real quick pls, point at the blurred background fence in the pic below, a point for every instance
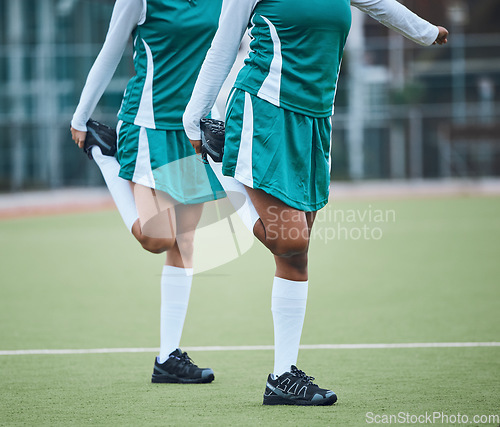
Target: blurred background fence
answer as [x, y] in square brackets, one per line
[402, 111]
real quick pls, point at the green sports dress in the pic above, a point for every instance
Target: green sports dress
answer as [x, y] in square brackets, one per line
[169, 47]
[278, 118]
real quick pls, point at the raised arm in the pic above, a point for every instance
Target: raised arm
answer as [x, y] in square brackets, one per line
[127, 14]
[397, 17]
[218, 62]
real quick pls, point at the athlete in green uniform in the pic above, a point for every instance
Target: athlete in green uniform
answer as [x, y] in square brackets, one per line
[278, 141]
[171, 38]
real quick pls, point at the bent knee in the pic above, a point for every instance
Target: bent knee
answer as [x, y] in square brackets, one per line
[156, 245]
[289, 247]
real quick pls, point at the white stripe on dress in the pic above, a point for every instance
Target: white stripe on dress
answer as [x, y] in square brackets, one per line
[135, 50]
[118, 128]
[143, 173]
[330, 147]
[229, 99]
[145, 113]
[271, 87]
[243, 171]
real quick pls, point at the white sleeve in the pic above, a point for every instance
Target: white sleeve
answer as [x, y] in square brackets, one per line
[127, 14]
[218, 62]
[397, 17]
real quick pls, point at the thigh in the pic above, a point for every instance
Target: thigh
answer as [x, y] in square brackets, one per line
[156, 211]
[275, 214]
[284, 230]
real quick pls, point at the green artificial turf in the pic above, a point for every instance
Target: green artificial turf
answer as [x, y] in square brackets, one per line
[428, 272]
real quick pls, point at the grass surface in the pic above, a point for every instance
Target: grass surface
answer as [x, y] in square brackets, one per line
[81, 281]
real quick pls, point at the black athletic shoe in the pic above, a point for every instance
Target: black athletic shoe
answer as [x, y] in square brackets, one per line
[296, 388]
[102, 136]
[212, 139]
[179, 368]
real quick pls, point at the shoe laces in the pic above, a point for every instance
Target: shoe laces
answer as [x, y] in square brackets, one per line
[186, 360]
[301, 374]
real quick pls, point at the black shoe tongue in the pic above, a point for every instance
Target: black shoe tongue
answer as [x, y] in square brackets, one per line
[176, 353]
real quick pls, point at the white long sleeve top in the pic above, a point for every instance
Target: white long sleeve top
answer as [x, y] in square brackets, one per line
[235, 18]
[127, 14]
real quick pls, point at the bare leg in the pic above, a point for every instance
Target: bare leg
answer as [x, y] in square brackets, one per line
[295, 267]
[285, 231]
[155, 228]
[181, 254]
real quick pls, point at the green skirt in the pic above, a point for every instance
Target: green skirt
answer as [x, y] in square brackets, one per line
[283, 153]
[166, 161]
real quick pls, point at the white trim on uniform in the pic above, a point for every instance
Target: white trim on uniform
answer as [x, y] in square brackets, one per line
[145, 112]
[271, 87]
[143, 174]
[330, 147]
[229, 99]
[118, 128]
[135, 50]
[244, 164]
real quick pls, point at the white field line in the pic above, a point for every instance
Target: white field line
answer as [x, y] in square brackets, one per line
[254, 347]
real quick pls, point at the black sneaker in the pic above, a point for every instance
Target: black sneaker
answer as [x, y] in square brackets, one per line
[296, 388]
[102, 136]
[179, 368]
[212, 139]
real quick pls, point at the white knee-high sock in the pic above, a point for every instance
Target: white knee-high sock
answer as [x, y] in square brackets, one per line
[289, 300]
[175, 290]
[118, 187]
[235, 190]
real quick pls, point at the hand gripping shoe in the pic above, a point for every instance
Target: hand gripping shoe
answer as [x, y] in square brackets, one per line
[102, 136]
[212, 139]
